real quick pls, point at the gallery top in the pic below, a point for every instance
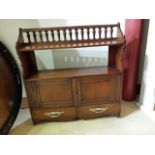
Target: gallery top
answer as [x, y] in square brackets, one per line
[69, 37]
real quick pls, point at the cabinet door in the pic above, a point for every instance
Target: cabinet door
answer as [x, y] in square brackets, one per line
[98, 89]
[51, 93]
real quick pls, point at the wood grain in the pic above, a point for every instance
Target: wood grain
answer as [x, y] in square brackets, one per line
[86, 112]
[42, 115]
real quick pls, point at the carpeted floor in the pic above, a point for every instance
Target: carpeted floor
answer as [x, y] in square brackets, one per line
[132, 121]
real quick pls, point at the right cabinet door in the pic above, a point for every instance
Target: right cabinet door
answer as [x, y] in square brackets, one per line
[99, 89]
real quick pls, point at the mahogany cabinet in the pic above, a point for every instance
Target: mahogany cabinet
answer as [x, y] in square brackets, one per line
[67, 94]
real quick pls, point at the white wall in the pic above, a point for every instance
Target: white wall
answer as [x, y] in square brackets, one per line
[147, 96]
[54, 59]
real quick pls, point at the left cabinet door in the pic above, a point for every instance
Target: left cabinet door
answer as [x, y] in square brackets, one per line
[50, 93]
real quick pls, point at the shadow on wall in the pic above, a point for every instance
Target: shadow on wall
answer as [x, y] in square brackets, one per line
[143, 86]
[84, 57]
[147, 95]
[143, 50]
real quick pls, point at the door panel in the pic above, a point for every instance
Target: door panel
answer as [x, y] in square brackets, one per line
[55, 91]
[95, 89]
[98, 89]
[51, 93]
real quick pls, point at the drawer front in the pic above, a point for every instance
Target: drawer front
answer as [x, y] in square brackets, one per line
[94, 111]
[50, 93]
[99, 89]
[57, 114]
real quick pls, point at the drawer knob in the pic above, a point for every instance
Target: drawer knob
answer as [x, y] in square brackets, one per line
[98, 110]
[54, 114]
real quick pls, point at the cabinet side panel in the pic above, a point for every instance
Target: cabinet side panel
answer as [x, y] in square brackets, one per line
[119, 57]
[111, 57]
[33, 97]
[28, 62]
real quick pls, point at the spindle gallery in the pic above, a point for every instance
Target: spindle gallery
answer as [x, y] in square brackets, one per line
[77, 93]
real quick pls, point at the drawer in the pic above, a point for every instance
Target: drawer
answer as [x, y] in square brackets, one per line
[94, 111]
[57, 114]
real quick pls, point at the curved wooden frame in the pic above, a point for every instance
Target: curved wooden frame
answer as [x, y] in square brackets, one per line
[18, 89]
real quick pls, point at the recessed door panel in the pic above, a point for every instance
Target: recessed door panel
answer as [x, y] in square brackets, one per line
[98, 89]
[51, 93]
[94, 89]
[55, 91]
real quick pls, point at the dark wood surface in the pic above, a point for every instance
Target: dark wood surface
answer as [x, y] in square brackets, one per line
[72, 72]
[54, 114]
[24, 103]
[28, 62]
[98, 110]
[71, 113]
[73, 92]
[50, 93]
[66, 94]
[10, 90]
[62, 45]
[98, 89]
[6, 90]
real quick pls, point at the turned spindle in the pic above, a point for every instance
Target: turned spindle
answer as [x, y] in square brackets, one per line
[88, 33]
[70, 34]
[82, 34]
[40, 35]
[35, 36]
[105, 31]
[52, 35]
[46, 36]
[28, 37]
[76, 34]
[59, 35]
[100, 33]
[111, 32]
[94, 33]
[65, 35]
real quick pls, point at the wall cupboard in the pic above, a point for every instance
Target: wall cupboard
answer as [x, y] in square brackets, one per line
[67, 94]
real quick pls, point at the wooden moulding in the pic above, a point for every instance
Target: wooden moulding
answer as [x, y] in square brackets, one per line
[73, 72]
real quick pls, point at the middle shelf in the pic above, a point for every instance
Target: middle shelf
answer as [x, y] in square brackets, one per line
[73, 72]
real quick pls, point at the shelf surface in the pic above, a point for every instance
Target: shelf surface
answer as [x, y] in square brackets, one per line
[72, 72]
[76, 44]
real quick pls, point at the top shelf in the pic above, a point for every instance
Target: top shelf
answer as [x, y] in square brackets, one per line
[69, 37]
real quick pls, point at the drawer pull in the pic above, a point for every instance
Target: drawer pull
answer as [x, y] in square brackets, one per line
[98, 110]
[54, 114]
